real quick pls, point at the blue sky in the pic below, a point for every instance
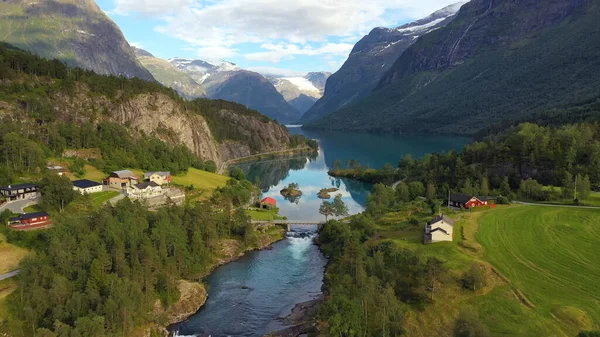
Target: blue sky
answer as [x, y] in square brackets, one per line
[283, 37]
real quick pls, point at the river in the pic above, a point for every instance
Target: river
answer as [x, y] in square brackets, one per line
[292, 272]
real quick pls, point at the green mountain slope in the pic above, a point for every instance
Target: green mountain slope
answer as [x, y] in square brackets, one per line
[52, 102]
[497, 63]
[169, 76]
[76, 32]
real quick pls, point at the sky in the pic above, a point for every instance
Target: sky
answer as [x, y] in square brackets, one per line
[279, 37]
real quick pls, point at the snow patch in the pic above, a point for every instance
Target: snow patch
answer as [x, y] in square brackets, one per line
[421, 27]
[302, 84]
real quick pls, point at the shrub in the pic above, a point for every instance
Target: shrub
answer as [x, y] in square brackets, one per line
[474, 278]
[468, 325]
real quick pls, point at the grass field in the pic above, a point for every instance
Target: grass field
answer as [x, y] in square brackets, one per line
[551, 255]
[101, 197]
[6, 287]
[548, 256]
[200, 179]
[265, 215]
[11, 255]
[92, 173]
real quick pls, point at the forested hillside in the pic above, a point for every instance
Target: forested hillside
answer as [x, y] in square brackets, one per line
[498, 63]
[46, 107]
[112, 271]
[522, 159]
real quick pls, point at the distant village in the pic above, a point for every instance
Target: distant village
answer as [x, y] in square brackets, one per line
[153, 189]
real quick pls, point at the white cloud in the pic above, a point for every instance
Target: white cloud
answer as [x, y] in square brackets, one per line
[275, 52]
[279, 72]
[217, 28]
[151, 7]
[136, 44]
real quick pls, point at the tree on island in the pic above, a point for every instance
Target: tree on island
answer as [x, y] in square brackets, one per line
[327, 209]
[340, 208]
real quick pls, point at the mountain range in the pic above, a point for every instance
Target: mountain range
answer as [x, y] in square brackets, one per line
[498, 63]
[225, 80]
[168, 75]
[370, 58]
[301, 92]
[78, 33]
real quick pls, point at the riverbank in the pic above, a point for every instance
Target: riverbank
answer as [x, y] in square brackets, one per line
[193, 295]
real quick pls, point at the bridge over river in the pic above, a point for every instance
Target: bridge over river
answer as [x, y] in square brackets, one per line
[289, 223]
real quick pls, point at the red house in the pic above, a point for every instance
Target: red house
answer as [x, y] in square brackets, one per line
[268, 203]
[30, 221]
[466, 201]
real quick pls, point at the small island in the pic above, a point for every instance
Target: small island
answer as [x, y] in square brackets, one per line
[324, 192]
[291, 191]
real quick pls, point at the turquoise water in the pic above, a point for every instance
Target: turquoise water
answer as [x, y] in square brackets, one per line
[292, 272]
[372, 150]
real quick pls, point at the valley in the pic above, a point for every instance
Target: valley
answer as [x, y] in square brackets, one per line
[299, 168]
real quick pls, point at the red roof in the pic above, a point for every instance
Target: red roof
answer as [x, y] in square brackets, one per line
[270, 201]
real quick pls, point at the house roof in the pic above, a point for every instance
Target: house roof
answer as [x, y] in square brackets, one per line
[440, 218]
[29, 216]
[269, 200]
[55, 168]
[84, 183]
[123, 174]
[439, 230]
[461, 198]
[163, 174]
[145, 185]
[18, 187]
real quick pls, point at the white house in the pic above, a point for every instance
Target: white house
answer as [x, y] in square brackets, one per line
[145, 190]
[160, 178]
[439, 229]
[85, 186]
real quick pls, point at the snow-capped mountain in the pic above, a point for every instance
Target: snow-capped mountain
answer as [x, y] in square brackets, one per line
[301, 92]
[225, 80]
[201, 70]
[370, 58]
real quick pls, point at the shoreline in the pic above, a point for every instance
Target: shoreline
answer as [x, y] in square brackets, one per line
[182, 317]
[266, 155]
[301, 319]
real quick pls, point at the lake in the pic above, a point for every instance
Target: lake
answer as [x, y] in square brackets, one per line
[292, 272]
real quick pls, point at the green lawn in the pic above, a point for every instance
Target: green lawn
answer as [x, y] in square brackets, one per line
[200, 179]
[92, 173]
[98, 199]
[32, 209]
[551, 255]
[265, 215]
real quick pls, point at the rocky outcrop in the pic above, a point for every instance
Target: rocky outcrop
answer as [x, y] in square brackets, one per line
[152, 114]
[271, 136]
[76, 32]
[159, 115]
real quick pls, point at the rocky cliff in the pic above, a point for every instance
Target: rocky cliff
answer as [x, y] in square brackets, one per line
[157, 114]
[76, 32]
[498, 63]
[370, 58]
